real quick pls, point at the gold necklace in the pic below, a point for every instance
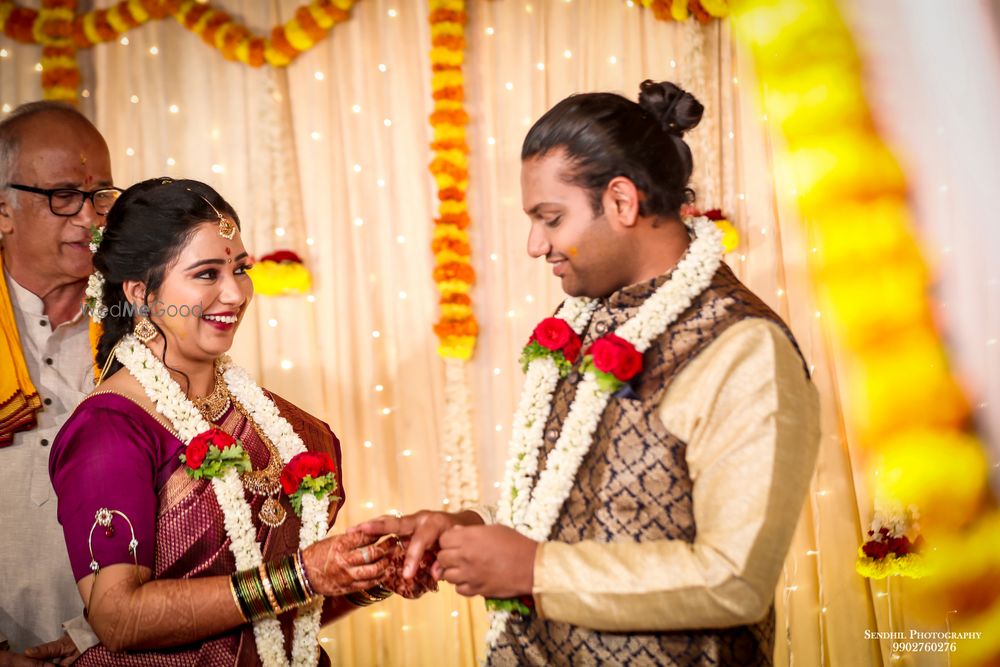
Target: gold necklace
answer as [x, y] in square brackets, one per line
[215, 404]
[267, 481]
[264, 482]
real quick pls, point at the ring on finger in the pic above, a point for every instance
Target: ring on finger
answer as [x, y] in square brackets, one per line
[366, 555]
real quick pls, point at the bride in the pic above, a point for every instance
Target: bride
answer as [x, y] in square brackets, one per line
[193, 502]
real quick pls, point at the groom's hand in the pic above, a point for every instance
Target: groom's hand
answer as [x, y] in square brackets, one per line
[492, 561]
[423, 529]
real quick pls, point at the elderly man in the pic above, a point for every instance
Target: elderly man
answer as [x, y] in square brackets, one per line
[55, 186]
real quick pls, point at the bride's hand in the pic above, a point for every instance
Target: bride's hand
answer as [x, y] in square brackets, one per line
[342, 564]
[422, 582]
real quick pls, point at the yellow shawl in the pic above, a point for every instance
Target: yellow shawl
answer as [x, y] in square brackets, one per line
[18, 397]
[19, 400]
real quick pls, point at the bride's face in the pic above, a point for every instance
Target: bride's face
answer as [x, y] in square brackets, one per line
[204, 295]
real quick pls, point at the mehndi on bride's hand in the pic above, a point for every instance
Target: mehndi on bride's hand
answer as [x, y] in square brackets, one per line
[345, 563]
[422, 582]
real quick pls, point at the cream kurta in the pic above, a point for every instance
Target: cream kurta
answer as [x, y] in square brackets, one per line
[750, 419]
[37, 590]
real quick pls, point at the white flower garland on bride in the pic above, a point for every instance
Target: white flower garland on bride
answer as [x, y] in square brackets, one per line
[532, 510]
[177, 408]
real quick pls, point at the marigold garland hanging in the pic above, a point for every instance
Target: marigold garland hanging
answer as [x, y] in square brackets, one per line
[61, 32]
[908, 410]
[453, 273]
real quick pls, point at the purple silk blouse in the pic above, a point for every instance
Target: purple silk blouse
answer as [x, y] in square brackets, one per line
[110, 454]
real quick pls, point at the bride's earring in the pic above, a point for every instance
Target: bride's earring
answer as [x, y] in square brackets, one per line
[144, 330]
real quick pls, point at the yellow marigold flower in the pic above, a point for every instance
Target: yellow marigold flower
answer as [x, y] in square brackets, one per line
[444, 132]
[730, 237]
[716, 8]
[458, 347]
[137, 11]
[452, 207]
[679, 10]
[448, 105]
[297, 37]
[90, 27]
[323, 20]
[59, 61]
[446, 79]
[450, 232]
[446, 256]
[115, 19]
[280, 278]
[60, 93]
[454, 311]
[274, 57]
[446, 287]
[943, 473]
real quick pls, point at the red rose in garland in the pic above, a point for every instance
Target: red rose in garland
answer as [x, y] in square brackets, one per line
[552, 333]
[195, 453]
[211, 453]
[308, 472]
[554, 338]
[614, 360]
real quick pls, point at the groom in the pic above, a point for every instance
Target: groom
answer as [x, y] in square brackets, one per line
[664, 544]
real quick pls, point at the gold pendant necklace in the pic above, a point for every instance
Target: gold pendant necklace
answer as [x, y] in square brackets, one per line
[264, 482]
[215, 404]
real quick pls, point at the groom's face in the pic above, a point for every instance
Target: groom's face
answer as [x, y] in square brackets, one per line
[583, 249]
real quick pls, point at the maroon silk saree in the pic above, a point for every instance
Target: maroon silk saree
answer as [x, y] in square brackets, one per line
[191, 541]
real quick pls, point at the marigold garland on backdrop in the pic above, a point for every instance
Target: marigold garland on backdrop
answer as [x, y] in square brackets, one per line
[908, 413]
[61, 32]
[454, 276]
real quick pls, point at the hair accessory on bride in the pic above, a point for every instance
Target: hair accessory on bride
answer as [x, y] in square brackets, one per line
[103, 518]
[227, 229]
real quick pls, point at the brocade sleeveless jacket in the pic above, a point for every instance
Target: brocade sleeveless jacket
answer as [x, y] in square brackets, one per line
[633, 484]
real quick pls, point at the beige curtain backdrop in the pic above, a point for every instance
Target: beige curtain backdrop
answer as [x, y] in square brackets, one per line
[329, 158]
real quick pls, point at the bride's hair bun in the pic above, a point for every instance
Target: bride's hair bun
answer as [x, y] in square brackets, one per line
[675, 109]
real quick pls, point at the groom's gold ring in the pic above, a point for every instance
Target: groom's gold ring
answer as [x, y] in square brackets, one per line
[366, 555]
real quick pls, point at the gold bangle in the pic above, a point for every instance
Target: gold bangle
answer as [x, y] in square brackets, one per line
[268, 589]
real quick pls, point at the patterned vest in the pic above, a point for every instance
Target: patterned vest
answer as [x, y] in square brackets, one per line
[634, 484]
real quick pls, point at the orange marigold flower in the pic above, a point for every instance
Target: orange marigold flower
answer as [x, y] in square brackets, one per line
[451, 194]
[450, 117]
[61, 76]
[50, 51]
[457, 247]
[456, 300]
[455, 271]
[698, 11]
[464, 327]
[309, 26]
[19, 23]
[450, 145]
[447, 16]
[194, 15]
[442, 166]
[453, 42]
[454, 93]
[256, 53]
[279, 40]
[460, 220]
[212, 26]
[104, 29]
[661, 10]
